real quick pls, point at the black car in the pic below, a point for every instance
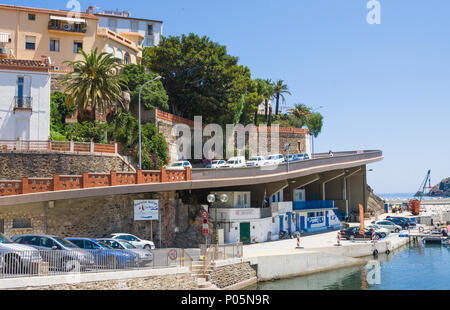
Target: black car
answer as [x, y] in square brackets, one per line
[353, 233]
[404, 222]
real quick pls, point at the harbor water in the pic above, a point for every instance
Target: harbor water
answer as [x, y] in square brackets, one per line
[413, 267]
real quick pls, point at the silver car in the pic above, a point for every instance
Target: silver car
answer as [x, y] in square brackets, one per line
[145, 256]
[17, 258]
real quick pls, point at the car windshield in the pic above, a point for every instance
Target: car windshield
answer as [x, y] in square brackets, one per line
[215, 162]
[127, 245]
[103, 244]
[271, 157]
[177, 165]
[254, 159]
[65, 242]
[231, 162]
[4, 239]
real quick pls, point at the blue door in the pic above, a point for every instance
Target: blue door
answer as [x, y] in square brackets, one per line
[297, 222]
[289, 222]
[20, 85]
[327, 219]
[302, 223]
[281, 222]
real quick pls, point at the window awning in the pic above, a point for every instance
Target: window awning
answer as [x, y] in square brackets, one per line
[4, 37]
[68, 19]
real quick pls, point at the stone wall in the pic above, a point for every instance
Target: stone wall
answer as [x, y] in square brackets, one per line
[100, 216]
[15, 165]
[167, 282]
[229, 275]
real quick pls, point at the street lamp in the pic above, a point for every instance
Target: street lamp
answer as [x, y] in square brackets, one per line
[211, 199]
[140, 132]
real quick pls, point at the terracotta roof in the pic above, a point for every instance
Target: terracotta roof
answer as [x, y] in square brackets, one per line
[22, 64]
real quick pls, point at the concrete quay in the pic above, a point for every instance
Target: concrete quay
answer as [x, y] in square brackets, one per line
[281, 259]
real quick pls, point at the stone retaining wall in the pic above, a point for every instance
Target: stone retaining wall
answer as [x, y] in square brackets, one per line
[15, 165]
[166, 282]
[230, 275]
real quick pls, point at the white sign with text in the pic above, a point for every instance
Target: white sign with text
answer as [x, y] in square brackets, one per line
[146, 210]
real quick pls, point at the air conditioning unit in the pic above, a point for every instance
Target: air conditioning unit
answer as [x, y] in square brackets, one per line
[67, 27]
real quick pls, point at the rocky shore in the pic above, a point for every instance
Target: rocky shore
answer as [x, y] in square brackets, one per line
[442, 189]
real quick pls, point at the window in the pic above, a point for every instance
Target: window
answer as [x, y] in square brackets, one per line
[134, 26]
[150, 29]
[54, 45]
[112, 24]
[311, 214]
[47, 242]
[31, 240]
[2, 226]
[21, 223]
[31, 16]
[77, 46]
[30, 43]
[78, 243]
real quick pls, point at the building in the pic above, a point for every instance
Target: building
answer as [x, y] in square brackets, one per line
[143, 32]
[25, 99]
[30, 33]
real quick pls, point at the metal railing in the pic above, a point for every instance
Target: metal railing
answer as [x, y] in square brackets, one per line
[15, 264]
[222, 252]
[23, 102]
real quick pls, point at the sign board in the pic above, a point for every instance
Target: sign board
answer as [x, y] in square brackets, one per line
[361, 220]
[173, 254]
[146, 210]
[205, 214]
[205, 232]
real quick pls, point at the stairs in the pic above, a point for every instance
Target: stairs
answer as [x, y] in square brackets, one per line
[202, 275]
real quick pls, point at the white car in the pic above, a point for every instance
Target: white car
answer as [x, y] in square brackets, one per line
[389, 225]
[256, 161]
[137, 242]
[383, 231]
[236, 162]
[180, 165]
[275, 159]
[216, 164]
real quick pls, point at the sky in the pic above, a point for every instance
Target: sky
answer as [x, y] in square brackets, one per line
[382, 86]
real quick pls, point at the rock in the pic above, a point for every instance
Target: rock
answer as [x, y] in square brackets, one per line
[442, 189]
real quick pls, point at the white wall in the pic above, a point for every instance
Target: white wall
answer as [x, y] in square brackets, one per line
[124, 25]
[259, 229]
[38, 119]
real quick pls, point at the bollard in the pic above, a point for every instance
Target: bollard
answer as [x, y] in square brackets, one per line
[338, 239]
[373, 236]
[298, 242]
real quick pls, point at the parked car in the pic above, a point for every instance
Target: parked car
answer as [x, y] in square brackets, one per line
[389, 225]
[383, 231]
[256, 161]
[275, 159]
[236, 162]
[303, 156]
[291, 158]
[105, 255]
[59, 253]
[180, 165]
[137, 242]
[145, 256]
[215, 164]
[353, 233]
[17, 258]
[402, 221]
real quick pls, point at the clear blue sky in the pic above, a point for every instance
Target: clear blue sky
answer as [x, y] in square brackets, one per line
[383, 86]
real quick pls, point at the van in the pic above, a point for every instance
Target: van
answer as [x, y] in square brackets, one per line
[235, 162]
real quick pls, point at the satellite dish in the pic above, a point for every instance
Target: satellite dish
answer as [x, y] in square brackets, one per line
[67, 27]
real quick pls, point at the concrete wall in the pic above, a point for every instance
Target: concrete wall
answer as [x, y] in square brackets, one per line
[37, 121]
[230, 275]
[15, 165]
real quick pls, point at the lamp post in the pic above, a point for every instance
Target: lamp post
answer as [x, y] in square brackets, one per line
[211, 199]
[140, 132]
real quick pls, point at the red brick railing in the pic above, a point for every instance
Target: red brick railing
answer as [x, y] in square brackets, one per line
[91, 180]
[58, 146]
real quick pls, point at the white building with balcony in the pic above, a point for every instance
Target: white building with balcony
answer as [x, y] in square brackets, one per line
[24, 100]
[146, 32]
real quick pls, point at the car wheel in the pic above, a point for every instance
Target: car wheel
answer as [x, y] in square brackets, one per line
[377, 237]
[68, 264]
[397, 230]
[147, 247]
[383, 235]
[13, 264]
[352, 237]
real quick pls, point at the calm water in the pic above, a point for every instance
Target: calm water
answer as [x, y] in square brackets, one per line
[410, 268]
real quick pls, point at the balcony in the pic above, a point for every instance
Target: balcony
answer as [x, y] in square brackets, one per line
[67, 27]
[23, 103]
[3, 52]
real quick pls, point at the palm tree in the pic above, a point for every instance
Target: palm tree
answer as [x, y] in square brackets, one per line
[302, 112]
[95, 82]
[315, 124]
[279, 90]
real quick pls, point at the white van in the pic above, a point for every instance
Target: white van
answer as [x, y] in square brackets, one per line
[235, 162]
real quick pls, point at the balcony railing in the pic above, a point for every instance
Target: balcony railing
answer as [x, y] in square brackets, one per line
[76, 28]
[23, 102]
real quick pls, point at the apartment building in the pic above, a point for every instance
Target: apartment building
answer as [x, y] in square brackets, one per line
[143, 32]
[30, 33]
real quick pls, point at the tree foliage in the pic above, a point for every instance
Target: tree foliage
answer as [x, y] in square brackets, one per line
[279, 91]
[315, 124]
[95, 82]
[153, 94]
[302, 113]
[200, 77]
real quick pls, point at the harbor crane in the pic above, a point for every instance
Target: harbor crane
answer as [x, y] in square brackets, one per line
[414, 204]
